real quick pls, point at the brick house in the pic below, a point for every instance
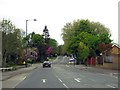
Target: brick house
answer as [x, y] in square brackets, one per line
[110, 58]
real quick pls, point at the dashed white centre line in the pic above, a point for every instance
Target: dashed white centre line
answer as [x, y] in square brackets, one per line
[62, 82]
[111, 86]
[77, 79]
[59, 79]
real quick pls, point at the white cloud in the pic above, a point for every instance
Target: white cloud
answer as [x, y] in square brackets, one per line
[55, 13]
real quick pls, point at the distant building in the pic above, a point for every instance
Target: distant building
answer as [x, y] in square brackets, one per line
[110, 58]
[31, 53]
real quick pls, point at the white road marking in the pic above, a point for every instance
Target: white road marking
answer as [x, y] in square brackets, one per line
[24, 78]
[111, 86]
[59, 79]
[62, 82]
[65, 85]
[43, 80]
[77, 79]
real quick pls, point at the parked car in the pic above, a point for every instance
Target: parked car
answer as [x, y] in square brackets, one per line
[71, 61]
[46, 64]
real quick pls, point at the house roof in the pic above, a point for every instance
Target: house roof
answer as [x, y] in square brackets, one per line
[114, 45]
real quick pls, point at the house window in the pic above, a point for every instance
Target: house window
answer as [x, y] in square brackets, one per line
[108, 59]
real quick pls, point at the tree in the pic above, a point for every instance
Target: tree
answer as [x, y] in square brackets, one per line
[84, 51]
[37, 40]
[54, 45]
[61, 50]
[91, 34]
[11, 42]
[44, 48]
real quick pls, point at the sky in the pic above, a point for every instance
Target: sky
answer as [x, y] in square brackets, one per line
[56, 13]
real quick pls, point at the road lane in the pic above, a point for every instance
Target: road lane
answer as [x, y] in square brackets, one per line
[62, 75]
[76, 78]
[41, 78]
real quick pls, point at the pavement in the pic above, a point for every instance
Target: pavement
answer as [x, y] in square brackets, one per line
[98, 70]
[9, 74]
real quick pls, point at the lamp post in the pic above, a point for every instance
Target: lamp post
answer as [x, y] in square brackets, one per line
[0, 46]
[26, 36]
[46, 38]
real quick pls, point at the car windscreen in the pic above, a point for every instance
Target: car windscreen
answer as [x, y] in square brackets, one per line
[46, 62]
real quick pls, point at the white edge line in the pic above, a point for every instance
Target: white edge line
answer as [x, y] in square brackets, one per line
[111, 86]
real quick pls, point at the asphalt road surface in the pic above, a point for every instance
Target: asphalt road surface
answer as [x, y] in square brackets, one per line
[63, 75]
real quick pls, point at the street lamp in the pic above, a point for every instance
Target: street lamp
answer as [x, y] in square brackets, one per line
[26, 34]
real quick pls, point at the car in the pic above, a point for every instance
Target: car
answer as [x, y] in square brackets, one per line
[46, 64]
[71, 61]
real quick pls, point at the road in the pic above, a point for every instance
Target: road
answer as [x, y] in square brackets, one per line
[63, 75]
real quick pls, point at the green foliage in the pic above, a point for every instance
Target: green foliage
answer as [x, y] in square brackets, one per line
[37, 39]
[83, 50]
[84, 33]
[61, 49]
[11, 42]
[53, 43]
